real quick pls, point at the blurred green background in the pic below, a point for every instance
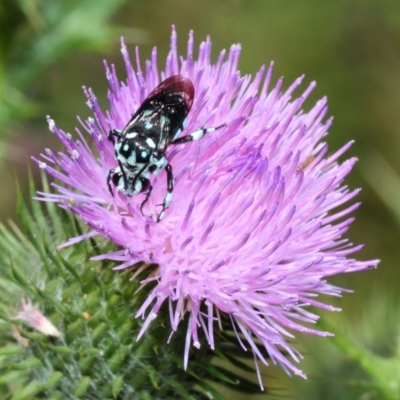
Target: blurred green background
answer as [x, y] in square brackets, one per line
[49, 49]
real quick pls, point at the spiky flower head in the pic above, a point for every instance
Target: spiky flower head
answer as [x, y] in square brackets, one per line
[259, 211]
[30, 314]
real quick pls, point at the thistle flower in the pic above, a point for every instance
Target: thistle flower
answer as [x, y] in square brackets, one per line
[259, 207]
[30, 314]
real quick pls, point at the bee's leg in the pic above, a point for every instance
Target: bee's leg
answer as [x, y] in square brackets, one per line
[168, 196]
[196, 135]
[110, 175]
[113, 134]
[146, 186]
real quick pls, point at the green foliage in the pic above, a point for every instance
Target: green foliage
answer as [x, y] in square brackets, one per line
[37, 33]
[383, 380]
[96, 355]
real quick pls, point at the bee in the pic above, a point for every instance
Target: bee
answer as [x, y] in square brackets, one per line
[140, 147]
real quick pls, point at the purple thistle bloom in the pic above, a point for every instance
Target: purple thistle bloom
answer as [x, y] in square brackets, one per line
[259, 208]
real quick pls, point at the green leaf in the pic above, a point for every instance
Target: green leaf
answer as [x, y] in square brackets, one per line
[29, 391]
[210, 392]
[61, 350]
[82, 386]
[235, 361]
[117, 383]
[20, 279]
[13, 376]
[11, 350]
[27, 364]
[237, 382]
[153, 375]
[53, 379]
[179, 389]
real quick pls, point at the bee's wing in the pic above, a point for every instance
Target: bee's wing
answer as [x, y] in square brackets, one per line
[163, 112]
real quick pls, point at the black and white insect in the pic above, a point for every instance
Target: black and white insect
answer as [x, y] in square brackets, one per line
[140, 147]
